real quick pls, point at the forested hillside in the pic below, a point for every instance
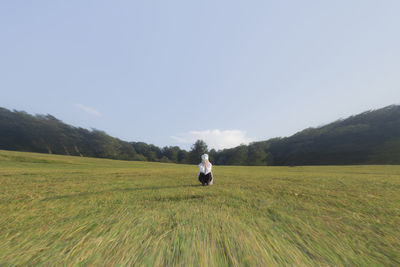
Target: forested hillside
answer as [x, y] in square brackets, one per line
[372, 137]
[21, 131]
[46, 134]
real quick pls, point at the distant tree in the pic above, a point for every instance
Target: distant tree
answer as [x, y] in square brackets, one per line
[146, 150]
[140, 157]
[156, 152]
[183, 157]
[239, 155]
[197, 149]
[171, 152]
[164, 159]
[257, 154]
[140, 147]
[126, 151]
[212, 155]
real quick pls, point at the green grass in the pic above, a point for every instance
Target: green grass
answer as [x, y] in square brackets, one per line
[60, 210]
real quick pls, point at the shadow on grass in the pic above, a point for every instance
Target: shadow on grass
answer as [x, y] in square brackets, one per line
[120, 190]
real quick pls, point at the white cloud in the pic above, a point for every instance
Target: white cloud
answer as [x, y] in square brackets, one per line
[87, 109]
[218, 139]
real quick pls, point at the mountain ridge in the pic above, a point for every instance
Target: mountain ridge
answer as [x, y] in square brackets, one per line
[371, 137]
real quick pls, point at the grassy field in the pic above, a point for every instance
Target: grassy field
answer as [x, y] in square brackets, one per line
[60, 210]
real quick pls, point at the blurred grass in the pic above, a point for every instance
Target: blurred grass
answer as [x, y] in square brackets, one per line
[61, 210]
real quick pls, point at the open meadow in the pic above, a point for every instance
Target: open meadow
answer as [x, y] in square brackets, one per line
[62, 210]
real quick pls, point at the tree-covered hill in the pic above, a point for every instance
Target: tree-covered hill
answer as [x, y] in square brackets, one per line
[46, 134]
[372, 137]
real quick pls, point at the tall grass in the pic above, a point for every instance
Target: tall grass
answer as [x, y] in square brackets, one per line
[60, 210]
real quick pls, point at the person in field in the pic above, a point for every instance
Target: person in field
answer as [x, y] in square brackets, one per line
[205, 174]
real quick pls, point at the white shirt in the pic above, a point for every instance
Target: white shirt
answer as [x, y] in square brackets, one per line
[205, 169]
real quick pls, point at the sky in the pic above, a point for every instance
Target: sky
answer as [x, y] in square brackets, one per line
[171, 72]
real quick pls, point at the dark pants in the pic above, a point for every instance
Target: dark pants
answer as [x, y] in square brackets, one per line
[205, 178]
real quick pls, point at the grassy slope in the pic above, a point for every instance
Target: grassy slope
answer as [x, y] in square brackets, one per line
[70, 210]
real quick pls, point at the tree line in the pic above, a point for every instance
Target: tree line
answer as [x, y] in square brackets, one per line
[372, 137]
[21, 131]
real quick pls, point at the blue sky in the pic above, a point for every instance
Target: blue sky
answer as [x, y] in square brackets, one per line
[170, 72]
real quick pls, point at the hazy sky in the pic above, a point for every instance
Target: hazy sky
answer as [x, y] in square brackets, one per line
[228, 72]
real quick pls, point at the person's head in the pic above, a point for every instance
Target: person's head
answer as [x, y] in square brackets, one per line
[204, 158]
